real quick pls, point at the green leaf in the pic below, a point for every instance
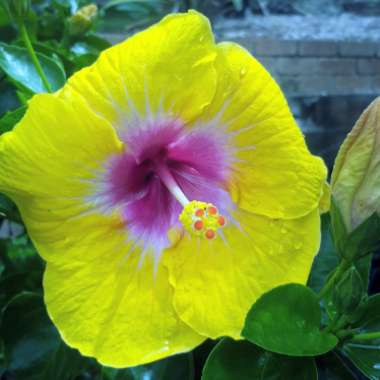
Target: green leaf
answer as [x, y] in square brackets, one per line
[363, 266]
[8, 209]
[366, 354]
[6, 205]
[11, 118]
[4, 17]
[235, 360]
[286, 320]
[242, 360]
[176, 367]
[23, 269]
[90, 44]
[84, 60]
[331, 367]
[369, 310]
[364, 239]
[338, 227]
[348, 292]
[16, 63]
[33, 348]
[326, 260]
[281, 367]
[8, 96]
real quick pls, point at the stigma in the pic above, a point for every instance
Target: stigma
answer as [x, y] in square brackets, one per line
[202, 219]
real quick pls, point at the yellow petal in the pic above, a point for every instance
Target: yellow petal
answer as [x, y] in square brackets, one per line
[54, 148]
[50, 162]
[274, 174]
[110, 304]
[167, 69]
[324, 204]
[216, 282]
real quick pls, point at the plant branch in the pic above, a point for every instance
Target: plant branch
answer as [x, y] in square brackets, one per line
[366, 336]
[33, 56]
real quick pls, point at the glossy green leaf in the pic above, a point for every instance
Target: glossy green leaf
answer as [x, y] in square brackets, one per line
[6, 206]
[338, 227]
[90, 44]
[326, 260]
[176, 367]
[279, 367]
[286, 320]
[364, 239]
[348, 292]
[331, 367]
[8, 96]
[16, 63]
[235, 360]
[243, 360]
[11, 118]
[33, 349]
[366, 354]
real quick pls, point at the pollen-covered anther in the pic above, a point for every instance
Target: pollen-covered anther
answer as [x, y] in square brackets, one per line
[198, 225]
[210, 234]
[202, 219]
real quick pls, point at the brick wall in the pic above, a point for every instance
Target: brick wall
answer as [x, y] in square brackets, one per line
[318, 67]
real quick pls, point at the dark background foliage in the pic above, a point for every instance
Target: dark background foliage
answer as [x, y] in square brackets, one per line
[30, 346]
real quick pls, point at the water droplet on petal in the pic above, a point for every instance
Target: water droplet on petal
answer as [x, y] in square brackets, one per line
[243, 71]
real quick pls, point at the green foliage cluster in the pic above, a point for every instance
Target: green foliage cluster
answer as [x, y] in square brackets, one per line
[327, 330]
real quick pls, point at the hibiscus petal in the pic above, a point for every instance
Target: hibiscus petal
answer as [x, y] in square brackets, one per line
[168, 69]
[274, 174]
[49, 165]
[216, 282]
[112, 305]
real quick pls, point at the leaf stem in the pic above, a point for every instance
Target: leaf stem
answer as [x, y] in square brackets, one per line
[33, 56]
[343, 265]
[366, 336]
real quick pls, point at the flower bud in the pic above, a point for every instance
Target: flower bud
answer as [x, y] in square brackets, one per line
[348, 292]
[355, 179]
[81, 21]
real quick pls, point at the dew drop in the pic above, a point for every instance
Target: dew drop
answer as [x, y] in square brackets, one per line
[243, 71]
[298, 245]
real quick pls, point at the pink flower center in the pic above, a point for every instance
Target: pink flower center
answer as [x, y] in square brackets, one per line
[163, 166]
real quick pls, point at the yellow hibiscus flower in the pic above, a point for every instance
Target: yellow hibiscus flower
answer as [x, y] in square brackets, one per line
[166, 186]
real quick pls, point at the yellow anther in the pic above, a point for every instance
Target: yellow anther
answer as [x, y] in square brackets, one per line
[201, 219]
